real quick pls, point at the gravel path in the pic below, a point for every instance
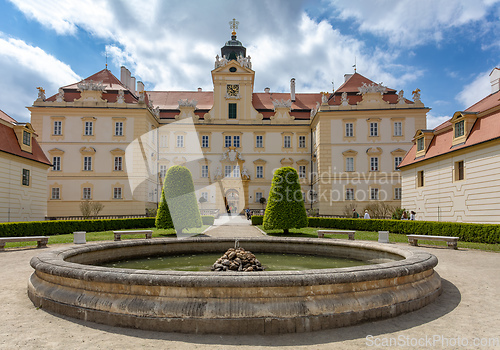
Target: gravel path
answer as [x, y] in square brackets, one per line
[466, 312]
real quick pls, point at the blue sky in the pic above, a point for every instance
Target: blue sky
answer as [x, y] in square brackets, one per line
[446, 48]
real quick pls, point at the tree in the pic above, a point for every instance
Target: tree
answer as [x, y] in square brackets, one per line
[180, 197]
[163, 218]
[285, 205]
[89, 208]
[262, 201]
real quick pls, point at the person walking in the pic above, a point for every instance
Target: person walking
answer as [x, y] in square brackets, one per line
[412, 215]
[355, 214]
[367, 215]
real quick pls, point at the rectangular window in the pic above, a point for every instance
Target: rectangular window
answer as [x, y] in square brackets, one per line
[164, 141]
[56, 163]
[26, 177]
[374, 164]
[259, 141]
[260, 172]
[374, 193]
[420, 178]
[57, 127]
[287, 141]
[180, 141]
[227, 141]
[227, 171]
[89, 128]
[232, 108]
[349, 164]
[204, 141]
[397, 193]
[349, 129]
[258, 196]
[87, 193]
[117, 193]
[56, 193]
[204, 171]
[459, 170]
[420, 144]
[118, 163]
[302, 142]
[397, 161]
[374, 129]
[205, 195]
[26, 138]
[236, 171]
[87, 163]
[236, 141]
[398, 129]
[118, 128]
[163, 171]
[302, 171]
[459, 129]
[349, 194]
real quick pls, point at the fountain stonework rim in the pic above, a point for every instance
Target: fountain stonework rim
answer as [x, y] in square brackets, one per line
[233, 302]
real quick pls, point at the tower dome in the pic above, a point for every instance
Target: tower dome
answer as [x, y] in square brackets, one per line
[233, 48]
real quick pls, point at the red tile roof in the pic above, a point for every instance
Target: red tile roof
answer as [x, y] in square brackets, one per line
[486, 128]
[10, 144]
[7, 118]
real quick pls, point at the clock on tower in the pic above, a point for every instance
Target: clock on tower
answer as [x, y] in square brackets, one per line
[233, 90]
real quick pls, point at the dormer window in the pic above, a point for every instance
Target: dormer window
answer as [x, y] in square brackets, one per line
[26, 138]
[420, 144]
[459, 128]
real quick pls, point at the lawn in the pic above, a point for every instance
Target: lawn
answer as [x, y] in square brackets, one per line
[108, 236]
[373, 236]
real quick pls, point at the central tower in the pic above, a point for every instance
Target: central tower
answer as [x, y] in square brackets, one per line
[233, 48]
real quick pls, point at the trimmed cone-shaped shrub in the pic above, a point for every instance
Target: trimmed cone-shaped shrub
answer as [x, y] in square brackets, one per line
[181, 199]
[163, 218]
[285, 205]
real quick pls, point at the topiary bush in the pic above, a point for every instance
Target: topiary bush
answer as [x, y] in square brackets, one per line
[181, 199]
[285, 205]
[163, 218]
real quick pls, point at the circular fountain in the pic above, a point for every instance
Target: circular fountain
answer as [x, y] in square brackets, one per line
[67, 282]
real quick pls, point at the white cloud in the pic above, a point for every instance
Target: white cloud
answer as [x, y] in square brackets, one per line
[163, 47]
[433, 121]
[478, 89]
[24, 67]
[408, 22]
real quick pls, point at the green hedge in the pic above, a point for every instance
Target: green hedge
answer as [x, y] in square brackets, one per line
[481, 233]
[257, 220]
[207, 219]
[58, 227]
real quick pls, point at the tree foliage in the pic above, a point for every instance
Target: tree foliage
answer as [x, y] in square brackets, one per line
[285, 204]
[163, 218]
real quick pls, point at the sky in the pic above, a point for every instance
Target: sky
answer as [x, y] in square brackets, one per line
[446, 48]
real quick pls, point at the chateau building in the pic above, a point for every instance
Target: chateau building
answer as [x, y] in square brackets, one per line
[451, 172]
[23, 172]
[111, 141]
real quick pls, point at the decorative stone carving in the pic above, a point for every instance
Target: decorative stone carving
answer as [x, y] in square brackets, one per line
[60, 95]
[372, 88]
[207, 118]
[344, 101]
[187, 103]
[142, 96]
[91, 85]
[121, 97]
[218, 174]
[232, 155]
[244, 174]
[220, 62]
[324, 98]
[282, 112]
[282, 104]
[41, 93]
[416, 95]
[401, 99]
[186, 110]
[245, 61]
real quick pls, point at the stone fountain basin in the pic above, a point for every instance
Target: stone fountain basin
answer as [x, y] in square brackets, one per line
[66, 282]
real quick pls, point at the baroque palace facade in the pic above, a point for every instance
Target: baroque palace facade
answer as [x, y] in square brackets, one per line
[111, 141]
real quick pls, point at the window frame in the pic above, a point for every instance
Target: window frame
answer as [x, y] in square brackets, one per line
[25, 181]
[118, 128]
[55, 193]
[374, 129]
[87, 193]
[56, 163]
[204, 171]
[259, 171]
[87, 163]
[118, 163]
[88, 128]
[302, 141]
[349, 129]
[179, 141]
[205, 141]
[287, 141]
[57, 128]
[374, 164]
[232, 110]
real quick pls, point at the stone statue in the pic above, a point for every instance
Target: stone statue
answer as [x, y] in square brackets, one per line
[60, 95]
[217, 61]
[416, 95]
[372, 88]
[142, 96]
[344, 100]
[41, 93]
[121, 96]
[218, 174]
[324, 98]
[244, 174]
[401, 99]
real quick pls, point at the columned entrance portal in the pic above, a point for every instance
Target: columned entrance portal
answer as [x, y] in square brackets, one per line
[233, 200]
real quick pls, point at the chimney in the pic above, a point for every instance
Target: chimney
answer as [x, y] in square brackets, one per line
[132, 85]
[267, 90]
[292, 89]
[495, 80]
[123, 75]
[140, 86]
[347, 77]
[200, 89]
[129, 79]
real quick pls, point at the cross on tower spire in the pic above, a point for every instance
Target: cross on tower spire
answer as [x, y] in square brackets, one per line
[233, 25]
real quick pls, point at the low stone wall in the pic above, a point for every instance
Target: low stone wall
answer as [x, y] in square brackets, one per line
[233, 302]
